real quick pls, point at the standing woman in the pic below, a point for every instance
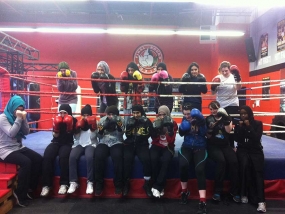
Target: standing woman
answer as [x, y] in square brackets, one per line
[164, 89]
[66, 85]
[103, 72]
[219, 125]
[227, 92]
[132, 73]
[63, 130]
[193, 75]
[250, 155]
[13, 128]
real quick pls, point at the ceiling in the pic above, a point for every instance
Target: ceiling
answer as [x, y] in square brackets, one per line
[177, 14]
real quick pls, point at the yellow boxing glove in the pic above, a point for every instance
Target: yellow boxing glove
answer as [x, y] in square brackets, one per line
[137, 75]
[67, 73]
[59, 74]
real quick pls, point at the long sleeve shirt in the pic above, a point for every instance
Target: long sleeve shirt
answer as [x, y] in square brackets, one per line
[65, 85]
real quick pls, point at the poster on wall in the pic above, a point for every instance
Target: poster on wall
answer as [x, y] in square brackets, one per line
[266, 87]
[281, 35]
[264, 45]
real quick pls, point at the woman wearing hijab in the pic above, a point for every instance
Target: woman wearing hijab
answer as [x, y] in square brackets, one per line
[103, 72]
[250, 155]
[63, 130]
[13, 128]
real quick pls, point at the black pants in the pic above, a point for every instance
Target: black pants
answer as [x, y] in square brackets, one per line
[199, 156]
[30, 164]
[52, 150]
[223, 157]
[102, 152]
[233, 110]
[160, 161]
[251, 174]
[142, 151]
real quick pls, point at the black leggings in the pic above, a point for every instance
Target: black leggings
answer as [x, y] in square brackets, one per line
[199, 157]
[233, 110]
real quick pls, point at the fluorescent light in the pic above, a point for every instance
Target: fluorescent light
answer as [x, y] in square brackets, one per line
[126, 31]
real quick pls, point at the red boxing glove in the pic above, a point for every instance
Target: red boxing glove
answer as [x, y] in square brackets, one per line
[56, 124]
[92, 123]
[214, 86]
[235, 71]
[68, 120]
[81, 124]
[124, 75]
[163, 74]
[155, 77]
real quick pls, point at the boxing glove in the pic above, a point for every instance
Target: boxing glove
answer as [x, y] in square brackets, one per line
[142, 120]
[186, 77]
[168, 123]
[131, 123]
[214, 86]
[119, 123]
[103, 76]
[56, 124]
[210, 123]
[157, 123]
[95, 75]
[81, 124]
[67, 73]
[124, 75]
[163, 74]
[155, 77]
[197, 116]
[68, 120]
[185, 125]
[226, 119]
[92, 122]
[59, 74]
[235, 72]
[137, 75]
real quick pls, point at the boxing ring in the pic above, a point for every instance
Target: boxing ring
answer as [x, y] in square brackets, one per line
[38, 140]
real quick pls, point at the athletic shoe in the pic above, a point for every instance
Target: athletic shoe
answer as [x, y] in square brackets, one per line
[244, 199]
[126, 188]
[147, 188]
[19, 201]
[202, 208]
[261, 207]
[45, 191]
[73, 186]
[184, 197]
[162, 192]
[62, 189]
[98, 189]
[89, 189]
[236, 198]
[118, 190]
[155, 193]
[216, 197]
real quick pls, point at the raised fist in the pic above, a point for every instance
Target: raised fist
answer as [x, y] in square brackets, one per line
[155, 77]
[131, 123]
[19, 114]
[95, 75]
[226, 119]
[67, 73]
[185, 125]
[59, 74]
[24, 113]
[56, 124]
[92, 122]
[124, 75]
[163, 74]
[235, 72]
[214, 86]
[137, 75]
[68, 120]
[157, 123]
[186, 77]
[103, 76]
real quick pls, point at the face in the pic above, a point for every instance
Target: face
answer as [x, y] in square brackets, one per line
[213, 111]
[110, 115]
[63, 113]
[137, 114]
[225, 71]
[21, 108]
[131, 70]
[84, 116]
[100, 70]
[159, 69]
[63, 70]
[194, 71]
[161, 115]
[187, 115]
[243, 115]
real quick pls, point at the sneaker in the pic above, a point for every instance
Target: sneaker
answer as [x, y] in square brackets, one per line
[98, 189]
[118, 190]
[73, 186]
[126, 188]
[45, 191]
[147, 188]
[62, 189]
[89, 189]
[244, 199]
[19, 201]
[155, 193]
[216, 197]
[202, 208]
[261, 207]
[236, 198]
[162, 192]
[184, 197]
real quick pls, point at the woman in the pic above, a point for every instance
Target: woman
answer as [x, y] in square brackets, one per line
[162, 149]
[13, 128]
[138, 129]
[193, 75]
[250, 155]
[163, 75]
[61, 144]
[131, 73]
[110, 133]
[103, 73]
[193, 129]
[227, 92]
[66, 85]
[219, 125]
[85, 141]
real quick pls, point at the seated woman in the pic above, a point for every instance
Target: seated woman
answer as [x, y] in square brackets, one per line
[219, 125]
[250, 155]
[110, 134]
[63, 130]
[13, 128]
[138, 129]
[193, 129]
[85, 141]
[162, 149]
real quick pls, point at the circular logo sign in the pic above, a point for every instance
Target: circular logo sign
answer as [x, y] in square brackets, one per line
[147, 56]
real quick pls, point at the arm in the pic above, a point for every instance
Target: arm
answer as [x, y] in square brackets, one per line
[254, 131]
[171, 139]
[25, 127]
[11, 130]
[95, 75]
[203, 87]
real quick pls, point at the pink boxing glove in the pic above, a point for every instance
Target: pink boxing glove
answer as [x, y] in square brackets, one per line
[163, 74]
[155, 77]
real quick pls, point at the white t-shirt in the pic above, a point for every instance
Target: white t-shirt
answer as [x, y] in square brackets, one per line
[227, 94]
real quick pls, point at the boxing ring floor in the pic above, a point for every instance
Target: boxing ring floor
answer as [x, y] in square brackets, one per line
[274, 168]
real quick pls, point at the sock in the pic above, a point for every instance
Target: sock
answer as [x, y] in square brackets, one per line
[203, 200]
[185, 190]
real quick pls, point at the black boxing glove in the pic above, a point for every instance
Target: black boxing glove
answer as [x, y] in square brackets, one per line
[157, 123]
[131, 123]
[186, 77]
[103, 76]
[168, 123]
[95, 75]
[142, 120]
[119, 123]
[226, 119]
[210, 122]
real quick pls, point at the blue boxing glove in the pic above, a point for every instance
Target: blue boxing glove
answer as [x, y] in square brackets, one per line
[198, 118]
[185, 125]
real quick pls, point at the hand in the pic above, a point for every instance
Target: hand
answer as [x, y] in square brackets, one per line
[59, 74]
[226, 119]
[246, 122]
[24, 113]
[19, 114]
[235, 72]
[186, 77]
[124, 75]
[95, 75]
[214, 86]
[240, 123]
[137, 75]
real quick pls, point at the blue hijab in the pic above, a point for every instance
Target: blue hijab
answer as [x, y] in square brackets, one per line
[9, 110]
